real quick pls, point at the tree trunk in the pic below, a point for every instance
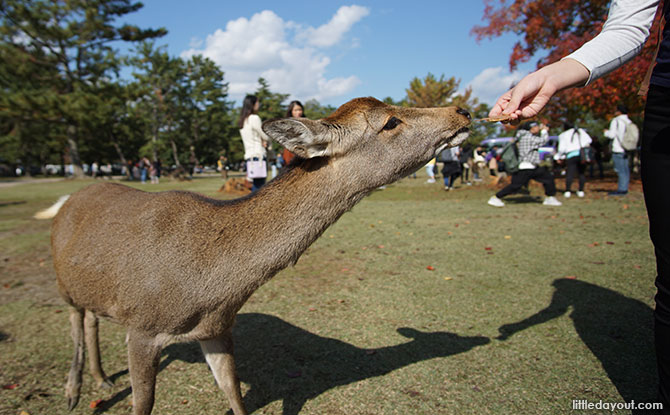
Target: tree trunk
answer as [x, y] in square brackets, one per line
[117, 147]
[78, 171]
[154, 137]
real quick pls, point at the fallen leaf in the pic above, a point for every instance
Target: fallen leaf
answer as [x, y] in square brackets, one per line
[10, 386]
[637, 267]
[625, 207]
[448, 278]
[488, 248]
[184, 402]
[571, 277]
[95, 404]
[430, 268]
[381, 246]
[609, 243]
[508, 237]
[24, 413]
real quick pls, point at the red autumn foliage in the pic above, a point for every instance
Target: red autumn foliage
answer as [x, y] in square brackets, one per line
[555, 29]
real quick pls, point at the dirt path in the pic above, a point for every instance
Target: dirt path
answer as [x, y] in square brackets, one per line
[16, 182]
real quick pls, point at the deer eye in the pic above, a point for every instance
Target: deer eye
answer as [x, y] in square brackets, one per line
[391, 123]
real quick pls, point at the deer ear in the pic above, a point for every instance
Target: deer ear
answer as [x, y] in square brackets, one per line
[301, 136]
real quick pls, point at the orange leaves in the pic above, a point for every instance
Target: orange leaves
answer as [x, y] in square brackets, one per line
[555, 29]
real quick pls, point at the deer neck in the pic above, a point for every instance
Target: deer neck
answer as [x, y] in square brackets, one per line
[288, 214]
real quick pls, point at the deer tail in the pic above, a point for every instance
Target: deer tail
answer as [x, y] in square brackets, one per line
[51, 211]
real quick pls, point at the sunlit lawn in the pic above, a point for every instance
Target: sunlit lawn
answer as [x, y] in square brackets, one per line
[397, 309]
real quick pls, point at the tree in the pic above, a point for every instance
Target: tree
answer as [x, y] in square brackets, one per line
[315, 111]
[272, 103]
[206, 110]
[159, 88]
[71, 41]
[557, 29]
[433, 92]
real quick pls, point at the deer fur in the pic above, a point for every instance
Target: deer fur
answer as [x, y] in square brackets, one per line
[178, 266]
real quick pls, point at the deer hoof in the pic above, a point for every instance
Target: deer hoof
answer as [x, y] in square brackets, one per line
[72, 402]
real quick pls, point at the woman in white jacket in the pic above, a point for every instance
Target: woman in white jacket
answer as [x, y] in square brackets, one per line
[254, 139]
[570, 142]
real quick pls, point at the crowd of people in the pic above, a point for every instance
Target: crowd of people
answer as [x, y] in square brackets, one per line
[572, 155]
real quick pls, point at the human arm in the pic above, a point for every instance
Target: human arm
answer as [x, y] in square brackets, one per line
[622, 37]
[584, 138]
[256, 125]
[612, 132]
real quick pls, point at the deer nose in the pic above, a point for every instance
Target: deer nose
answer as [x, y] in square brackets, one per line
[465, 113]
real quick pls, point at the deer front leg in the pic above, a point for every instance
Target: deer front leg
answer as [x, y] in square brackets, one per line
[93, 348]
[73, 385]
[219, 355]
[143, 357]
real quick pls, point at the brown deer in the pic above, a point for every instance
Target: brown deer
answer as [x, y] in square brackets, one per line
[178, 266]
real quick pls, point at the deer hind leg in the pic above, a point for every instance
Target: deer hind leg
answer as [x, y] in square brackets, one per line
[143, 357]
[219, 355]
[93, 348]
[73, 385]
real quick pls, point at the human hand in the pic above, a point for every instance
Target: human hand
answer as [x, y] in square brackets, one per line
[531, 94]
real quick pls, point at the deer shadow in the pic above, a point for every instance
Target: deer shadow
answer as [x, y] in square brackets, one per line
[280, 361]
[617, 329]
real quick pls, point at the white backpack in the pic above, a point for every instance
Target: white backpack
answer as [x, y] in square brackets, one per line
[631, 136]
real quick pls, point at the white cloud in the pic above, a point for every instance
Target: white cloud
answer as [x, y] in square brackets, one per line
[331, 33]
[490, 83]
[289, 56]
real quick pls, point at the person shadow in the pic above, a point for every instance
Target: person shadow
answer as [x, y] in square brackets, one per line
[280, 361]
[617, 329]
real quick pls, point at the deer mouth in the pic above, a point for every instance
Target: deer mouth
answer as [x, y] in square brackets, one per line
[453, 140]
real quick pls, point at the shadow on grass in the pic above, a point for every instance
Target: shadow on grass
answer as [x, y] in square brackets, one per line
[12, 203]
[617, 329]
[280, 361]
[519, 200]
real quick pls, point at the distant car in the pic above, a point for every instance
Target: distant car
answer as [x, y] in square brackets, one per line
[489, 143]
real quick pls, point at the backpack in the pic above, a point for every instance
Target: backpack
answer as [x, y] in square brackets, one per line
[510, 157]
[631, 136]
[445, 156]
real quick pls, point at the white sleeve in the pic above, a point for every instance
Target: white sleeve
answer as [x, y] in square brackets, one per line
[623, 35]
[257, 125]
[585, 138]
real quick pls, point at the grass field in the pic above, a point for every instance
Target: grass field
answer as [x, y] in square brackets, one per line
[418, 301]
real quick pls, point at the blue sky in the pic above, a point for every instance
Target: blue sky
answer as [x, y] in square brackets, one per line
[334, 51]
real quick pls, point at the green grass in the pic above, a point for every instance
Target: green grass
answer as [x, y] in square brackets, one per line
[361, 325]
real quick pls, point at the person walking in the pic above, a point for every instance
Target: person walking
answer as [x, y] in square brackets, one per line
[530, 136]
[430, 170]
[255, 142]
[616, 132]
[451, 167]
[570, 145]
[625, 31]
